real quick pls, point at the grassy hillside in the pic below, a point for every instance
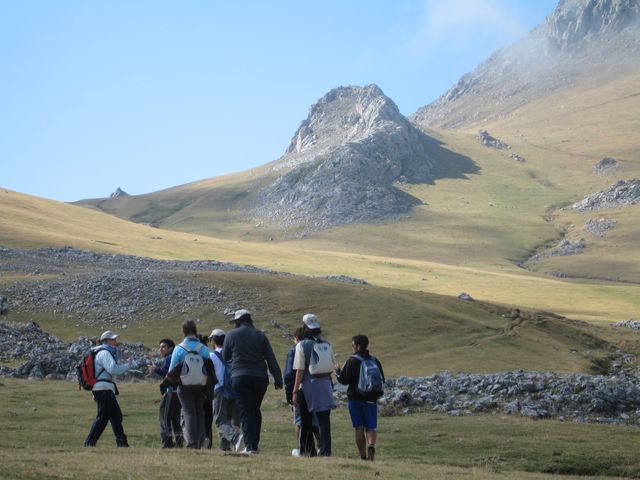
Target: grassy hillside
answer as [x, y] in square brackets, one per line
[416, 333]
[43, 441]
[32, 222]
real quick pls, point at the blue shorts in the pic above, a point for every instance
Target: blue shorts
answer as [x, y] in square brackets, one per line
[363, 414]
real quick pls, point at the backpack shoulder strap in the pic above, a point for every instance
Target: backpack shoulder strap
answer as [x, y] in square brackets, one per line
[219, 355]
[95, 354]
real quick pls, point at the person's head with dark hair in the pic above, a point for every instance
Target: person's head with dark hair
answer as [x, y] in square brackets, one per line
[166, 346]
[298, 334]
[360, 343]
[217, 337]
[189, 328]
[242, 316]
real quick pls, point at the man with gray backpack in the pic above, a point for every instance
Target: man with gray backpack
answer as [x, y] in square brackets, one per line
[192, 370]
[363, 373]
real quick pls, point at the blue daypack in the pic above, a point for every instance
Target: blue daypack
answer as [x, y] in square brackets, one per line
[227, 386]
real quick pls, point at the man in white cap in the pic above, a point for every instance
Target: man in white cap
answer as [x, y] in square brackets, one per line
[105, 391]
[226, 414]
[250, 353]
[312, 390]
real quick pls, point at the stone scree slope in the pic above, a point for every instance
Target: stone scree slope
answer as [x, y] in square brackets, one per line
[342, 163]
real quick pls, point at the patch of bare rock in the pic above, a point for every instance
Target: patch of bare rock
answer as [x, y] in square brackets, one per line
[623, 193]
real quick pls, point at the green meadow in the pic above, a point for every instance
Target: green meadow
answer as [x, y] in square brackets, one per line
[44, 424]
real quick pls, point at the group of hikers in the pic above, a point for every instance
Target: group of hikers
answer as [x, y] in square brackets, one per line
[226, 386]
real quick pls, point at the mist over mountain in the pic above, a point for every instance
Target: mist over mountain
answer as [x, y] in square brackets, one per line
[582, 41]
[342, 163]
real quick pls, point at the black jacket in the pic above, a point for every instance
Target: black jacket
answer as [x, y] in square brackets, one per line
[350, 375]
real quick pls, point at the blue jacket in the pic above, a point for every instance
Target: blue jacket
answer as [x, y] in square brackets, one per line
[192, 344]
[163, 370]
[289, 374]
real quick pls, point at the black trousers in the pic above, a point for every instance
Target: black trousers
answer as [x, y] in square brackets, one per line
[249, 392]
[307, 444]
[170, 427]
[108, 411]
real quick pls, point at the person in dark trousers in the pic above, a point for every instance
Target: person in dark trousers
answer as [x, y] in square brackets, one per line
[170, 409]
[363, 407]
[226, 414]
[250, 353]
[208, 405]
[289, 381]
[105, 391]
[192, 397]
[312, 393]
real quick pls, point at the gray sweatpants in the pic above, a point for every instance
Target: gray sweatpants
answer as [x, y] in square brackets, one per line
[192, 401]
[227, 419]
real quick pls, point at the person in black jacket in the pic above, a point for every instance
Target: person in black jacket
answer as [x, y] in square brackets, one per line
[251, 354]
[170, 408]
[363, 406]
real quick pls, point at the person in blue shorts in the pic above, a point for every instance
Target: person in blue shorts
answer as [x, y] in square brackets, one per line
[363, 407]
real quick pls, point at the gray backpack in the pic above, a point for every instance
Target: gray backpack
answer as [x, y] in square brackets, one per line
[194, 373]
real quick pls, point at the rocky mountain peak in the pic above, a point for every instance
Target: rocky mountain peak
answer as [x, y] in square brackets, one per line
[575, 21]
[119, 193]
[582, 39]
[345, 114]
[343, 161]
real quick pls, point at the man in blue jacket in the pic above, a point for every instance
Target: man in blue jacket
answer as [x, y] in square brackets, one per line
[191, 397]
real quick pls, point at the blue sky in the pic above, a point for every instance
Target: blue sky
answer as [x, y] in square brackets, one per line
[146, 95]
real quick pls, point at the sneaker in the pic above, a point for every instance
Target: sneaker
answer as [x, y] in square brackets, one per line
[295, 452]
[248, 452]
[238, 443]
[371, 452]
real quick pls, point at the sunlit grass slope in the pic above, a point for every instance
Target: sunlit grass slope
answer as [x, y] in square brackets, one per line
[29, 222]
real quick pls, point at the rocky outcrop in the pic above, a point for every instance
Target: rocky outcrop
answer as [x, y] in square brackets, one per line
[119, 193]
[564, 248]
[612, 399]
[630, 323]
[344, 162]
[42, 355]
[490, 141]
[112, 290]
[599, 227]
[606, 165]
[581, 39]
[623, 193]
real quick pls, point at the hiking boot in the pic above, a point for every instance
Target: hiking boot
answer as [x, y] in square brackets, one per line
[371, 452]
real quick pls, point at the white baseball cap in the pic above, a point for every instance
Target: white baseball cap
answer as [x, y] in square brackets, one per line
[311, 321]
